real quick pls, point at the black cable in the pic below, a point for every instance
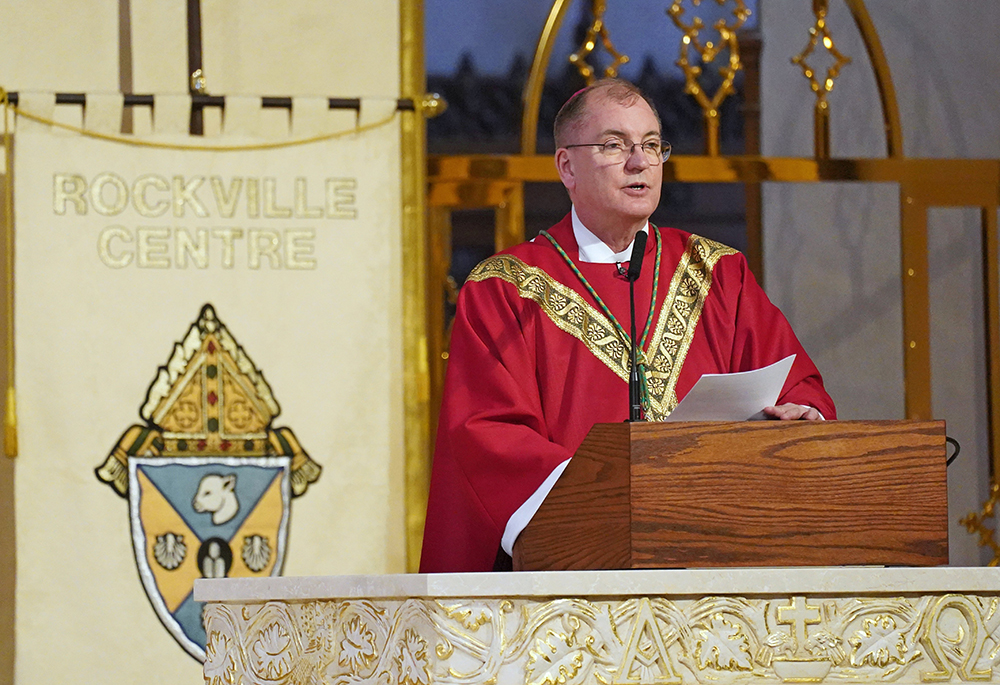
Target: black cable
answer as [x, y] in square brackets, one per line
[958, 448]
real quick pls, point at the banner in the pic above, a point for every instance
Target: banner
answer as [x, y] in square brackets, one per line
[208, 374]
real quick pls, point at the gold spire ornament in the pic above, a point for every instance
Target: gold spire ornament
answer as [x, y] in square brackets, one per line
[705, 53]
[597, 28]
[819, 33]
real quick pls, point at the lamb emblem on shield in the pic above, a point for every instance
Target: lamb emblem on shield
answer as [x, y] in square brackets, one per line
[217, 495]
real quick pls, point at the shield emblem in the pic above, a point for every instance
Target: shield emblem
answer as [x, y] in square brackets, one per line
[204, 517]
[209, 477]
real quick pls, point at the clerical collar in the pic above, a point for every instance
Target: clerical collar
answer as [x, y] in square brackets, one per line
[593, 250]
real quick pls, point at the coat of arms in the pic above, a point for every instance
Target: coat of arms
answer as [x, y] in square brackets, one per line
[208, 478]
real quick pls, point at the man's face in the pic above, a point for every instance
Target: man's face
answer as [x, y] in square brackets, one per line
[610, 194]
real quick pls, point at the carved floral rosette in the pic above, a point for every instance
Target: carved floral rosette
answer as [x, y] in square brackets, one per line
[711, 640]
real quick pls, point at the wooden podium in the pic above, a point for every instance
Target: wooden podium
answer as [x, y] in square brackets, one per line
[753, 493]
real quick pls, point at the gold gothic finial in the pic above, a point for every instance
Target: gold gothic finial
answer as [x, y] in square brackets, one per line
[819, 30]
[706, 53]
[597, 28]
[973, 523]
[819, 33]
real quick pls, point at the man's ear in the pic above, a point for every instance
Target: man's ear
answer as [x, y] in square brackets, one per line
[565, 168]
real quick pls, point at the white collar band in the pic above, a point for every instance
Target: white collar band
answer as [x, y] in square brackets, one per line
[593, 250]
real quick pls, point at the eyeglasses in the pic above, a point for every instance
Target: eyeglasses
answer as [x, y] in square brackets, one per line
[617, 150]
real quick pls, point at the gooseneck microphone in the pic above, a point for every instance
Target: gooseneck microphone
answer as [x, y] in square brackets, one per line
[634, 267]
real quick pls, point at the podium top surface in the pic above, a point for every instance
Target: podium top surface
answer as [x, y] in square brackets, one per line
[669, 582]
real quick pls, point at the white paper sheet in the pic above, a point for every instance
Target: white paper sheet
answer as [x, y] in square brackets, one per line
[733, 396]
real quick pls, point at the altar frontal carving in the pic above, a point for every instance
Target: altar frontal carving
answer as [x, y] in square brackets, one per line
[863, 637]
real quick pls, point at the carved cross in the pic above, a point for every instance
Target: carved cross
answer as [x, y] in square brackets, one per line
[799, 614]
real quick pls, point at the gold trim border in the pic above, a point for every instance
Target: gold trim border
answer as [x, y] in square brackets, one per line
[678, 320]
[565, 307]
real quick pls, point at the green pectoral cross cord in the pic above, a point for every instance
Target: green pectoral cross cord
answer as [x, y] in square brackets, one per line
[622, 335]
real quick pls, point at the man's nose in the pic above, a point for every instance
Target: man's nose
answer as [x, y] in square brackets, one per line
[636, 159]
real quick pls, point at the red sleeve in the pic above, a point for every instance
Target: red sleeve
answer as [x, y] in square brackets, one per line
[763, 336]
[493, 448]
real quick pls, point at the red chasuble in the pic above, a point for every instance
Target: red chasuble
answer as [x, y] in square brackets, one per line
[535, 362]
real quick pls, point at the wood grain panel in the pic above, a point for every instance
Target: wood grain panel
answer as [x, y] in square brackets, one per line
[761, 493]
[584, 523]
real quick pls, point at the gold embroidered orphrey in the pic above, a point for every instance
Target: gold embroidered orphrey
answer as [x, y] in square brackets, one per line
[676, 322]
[208, 477]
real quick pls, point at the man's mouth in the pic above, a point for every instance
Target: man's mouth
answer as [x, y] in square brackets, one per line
[637, 186]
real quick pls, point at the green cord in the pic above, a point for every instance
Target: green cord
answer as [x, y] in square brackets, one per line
[607, 312]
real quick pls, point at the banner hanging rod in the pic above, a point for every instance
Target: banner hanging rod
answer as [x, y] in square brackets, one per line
[267, 102]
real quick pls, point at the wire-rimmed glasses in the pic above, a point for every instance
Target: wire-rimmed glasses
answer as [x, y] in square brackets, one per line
[617, 150]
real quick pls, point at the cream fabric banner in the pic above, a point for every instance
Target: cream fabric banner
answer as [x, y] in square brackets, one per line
[208, 372]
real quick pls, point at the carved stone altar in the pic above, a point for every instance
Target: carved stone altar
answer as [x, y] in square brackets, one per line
[710, 627]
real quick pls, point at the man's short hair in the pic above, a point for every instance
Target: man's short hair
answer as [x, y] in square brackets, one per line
[575, 109]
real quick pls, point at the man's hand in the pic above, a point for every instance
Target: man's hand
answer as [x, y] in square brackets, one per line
[791, 412]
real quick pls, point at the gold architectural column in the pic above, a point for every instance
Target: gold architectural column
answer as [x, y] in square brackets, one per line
[416, 384]
[751, 48]
[975, 522]
[991, 302]
[440, 289]
[7, 531]
[916, 305]
[531, 98]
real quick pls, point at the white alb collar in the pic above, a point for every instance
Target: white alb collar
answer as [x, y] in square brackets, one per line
[595, 251]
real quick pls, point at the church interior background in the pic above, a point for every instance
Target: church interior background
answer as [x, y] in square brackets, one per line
[855, 159]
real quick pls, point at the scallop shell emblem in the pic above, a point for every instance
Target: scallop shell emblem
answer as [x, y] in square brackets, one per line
[169, 550]
[256, 552]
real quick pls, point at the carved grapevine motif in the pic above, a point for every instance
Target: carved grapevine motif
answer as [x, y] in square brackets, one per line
[219, 667]
[357, 649]
[272, 656]
[723, 647]
[412, 660]
[555, 660]
[878, 643]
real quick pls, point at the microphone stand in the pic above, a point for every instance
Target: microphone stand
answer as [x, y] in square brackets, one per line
[634, 396]
[634, 267]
